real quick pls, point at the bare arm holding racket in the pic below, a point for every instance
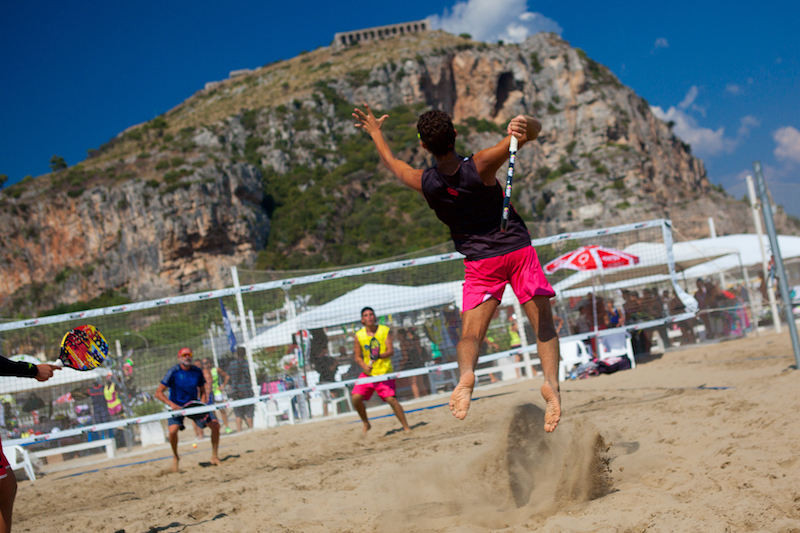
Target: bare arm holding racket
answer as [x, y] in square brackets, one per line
[489, 160]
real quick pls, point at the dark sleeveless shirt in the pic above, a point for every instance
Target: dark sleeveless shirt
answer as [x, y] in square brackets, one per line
[473, 211]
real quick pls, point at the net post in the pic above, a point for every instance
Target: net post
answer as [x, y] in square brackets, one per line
[213, 347]
[245, 336]
[776, 254]
[776, 319]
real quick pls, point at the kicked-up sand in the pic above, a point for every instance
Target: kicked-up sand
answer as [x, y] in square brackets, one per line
[705, 439]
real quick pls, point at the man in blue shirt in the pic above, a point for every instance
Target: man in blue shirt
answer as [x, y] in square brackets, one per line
[186, 383]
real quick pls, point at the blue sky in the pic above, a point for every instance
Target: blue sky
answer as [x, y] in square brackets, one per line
[74, 74]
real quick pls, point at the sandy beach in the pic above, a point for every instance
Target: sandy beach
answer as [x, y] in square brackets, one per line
[703, 439]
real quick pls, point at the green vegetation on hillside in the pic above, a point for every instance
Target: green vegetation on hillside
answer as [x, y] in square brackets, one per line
[372, 215]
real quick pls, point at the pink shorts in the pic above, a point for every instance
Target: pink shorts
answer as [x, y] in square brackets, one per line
[487, 278]
[385, 389]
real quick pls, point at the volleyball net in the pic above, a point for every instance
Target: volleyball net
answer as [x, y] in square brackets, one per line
[298, 334]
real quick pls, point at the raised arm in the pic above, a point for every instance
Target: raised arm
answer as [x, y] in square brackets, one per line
[367, 122]
[489, 160]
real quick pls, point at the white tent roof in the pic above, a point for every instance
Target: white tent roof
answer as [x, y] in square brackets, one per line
[384, 299]
[695, 258]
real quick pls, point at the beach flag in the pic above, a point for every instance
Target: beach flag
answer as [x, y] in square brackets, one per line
[228, 330]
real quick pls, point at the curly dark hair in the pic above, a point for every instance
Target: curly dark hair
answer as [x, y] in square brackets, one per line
[437, 132]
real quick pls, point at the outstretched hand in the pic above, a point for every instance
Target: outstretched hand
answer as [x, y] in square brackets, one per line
[45, 371]
[367, 121]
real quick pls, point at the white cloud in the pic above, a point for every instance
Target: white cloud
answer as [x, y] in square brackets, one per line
[688, 101]
[746, 123]
[690, 97]
[733, 88]
[788, 144]
[494, 20]
[704, 141]
[661, 42]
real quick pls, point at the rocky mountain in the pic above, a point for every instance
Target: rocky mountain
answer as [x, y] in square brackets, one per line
[266, 169]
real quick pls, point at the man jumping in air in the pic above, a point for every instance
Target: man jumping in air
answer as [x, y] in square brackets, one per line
[465, 195]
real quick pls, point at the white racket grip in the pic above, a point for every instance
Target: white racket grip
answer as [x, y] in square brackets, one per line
[514, 144]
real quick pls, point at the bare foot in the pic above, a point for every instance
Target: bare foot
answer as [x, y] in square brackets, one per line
[462, 395]
[175, 462]
[367, 427]
[552, 413]
[215, 460]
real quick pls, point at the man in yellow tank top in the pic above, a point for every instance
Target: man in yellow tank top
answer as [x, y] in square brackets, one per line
[373, 351]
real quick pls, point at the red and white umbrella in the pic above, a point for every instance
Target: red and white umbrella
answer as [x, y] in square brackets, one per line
[592, 257]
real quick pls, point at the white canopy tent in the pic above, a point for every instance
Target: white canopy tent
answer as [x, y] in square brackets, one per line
[384, 299]
[696, 258]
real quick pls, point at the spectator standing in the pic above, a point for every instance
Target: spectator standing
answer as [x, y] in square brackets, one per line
[113, 402]
[218, 382]
[414, 356]
[326, 366]
[241, 388]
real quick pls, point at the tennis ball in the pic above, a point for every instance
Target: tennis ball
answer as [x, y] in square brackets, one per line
[194, 445]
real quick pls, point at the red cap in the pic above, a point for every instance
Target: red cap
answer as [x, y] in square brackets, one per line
[185, 351]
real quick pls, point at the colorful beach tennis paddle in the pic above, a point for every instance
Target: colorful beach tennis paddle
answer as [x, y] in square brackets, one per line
[83, 348]
[374, 349]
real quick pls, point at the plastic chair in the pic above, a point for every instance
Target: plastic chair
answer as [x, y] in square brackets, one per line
[12, 454]
[573, 353]
[443, 379]
[617, 345]
[333, 403]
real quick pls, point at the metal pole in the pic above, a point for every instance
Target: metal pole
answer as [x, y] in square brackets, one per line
[252, 322]
[750, 296]
[213, 347]
[122, 396]
[776, 253]
[245, 336]
[712, 230]
[776, 319]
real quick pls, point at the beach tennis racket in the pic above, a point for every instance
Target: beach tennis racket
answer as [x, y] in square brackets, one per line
[374, 349]
[507, 200]
[83, 348]
[199, 417]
